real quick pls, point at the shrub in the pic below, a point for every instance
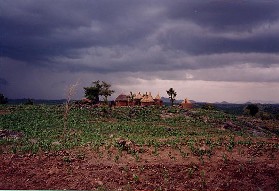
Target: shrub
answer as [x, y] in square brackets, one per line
[3, 99]
[252, 109]
[208, 106]
[29, 102]
[264, 115]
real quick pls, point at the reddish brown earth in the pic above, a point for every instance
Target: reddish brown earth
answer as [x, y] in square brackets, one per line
[86, 169]
[4, 112]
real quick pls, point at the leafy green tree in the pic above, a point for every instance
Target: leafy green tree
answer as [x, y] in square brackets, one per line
[172, 94]
[98, 89]
[3, 99]
[253, 109]
[106, 91]
[92, 93]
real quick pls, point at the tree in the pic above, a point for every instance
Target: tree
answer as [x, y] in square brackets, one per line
[253, 109]
[98, 89]
[92, 93]
[3, 99]
[29, 102]
[172, 94]
[131, 97]
[106, 91]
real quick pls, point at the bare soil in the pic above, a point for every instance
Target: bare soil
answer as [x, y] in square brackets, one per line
[4, 112]
[166, 169]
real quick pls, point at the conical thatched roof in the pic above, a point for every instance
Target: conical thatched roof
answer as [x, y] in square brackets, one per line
[186, 101]
[122, 97]
[158, 97]
[144, 98]
[138, 96]
[147, 98]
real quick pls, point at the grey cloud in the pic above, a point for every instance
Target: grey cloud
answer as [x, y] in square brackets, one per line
[44, 30]
[131, 40]
[236, 75]
[225, 74]
[226, 15]
[41, 30]
[3, 82]
[209, 42]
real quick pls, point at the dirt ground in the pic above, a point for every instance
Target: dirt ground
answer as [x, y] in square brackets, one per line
[109, 169]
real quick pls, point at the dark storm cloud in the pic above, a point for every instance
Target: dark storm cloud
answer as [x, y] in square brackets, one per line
[3, 81]
[41, 30]
[229, 15]
[138, 36]
[198, 44]
[216, 18]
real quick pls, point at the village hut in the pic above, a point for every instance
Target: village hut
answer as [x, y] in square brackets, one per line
[158, 101]
[147, 100]
[186, 104]
[121, 100]
[137, 99]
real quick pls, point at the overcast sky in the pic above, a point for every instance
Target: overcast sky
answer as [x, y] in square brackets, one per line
[211, 50]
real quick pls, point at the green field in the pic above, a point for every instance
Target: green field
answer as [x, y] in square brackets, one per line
[196, 140]
[41, 127]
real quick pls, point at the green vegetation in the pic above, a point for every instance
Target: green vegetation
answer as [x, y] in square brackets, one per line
[208, 106]
[252, 109]
[93, 92]
[98, 89]
[29, 102]
[3, 99]
[41, 128]
[106, 91]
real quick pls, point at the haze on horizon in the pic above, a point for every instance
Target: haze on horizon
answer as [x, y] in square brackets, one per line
[213, 50]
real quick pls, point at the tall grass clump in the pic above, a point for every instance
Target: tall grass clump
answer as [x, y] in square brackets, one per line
[70, 93]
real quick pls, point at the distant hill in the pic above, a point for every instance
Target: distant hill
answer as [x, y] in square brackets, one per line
[36, 101]
[223, 102]
[261, 102]
[167, 100]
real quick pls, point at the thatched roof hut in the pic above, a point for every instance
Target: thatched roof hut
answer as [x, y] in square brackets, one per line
[147, 100]
[121, 100]
[122, 97]
[138, 96]
[186, 101]
[150, 98]
[158, 100]
[186, 104]
[137, 99]
[158, 97]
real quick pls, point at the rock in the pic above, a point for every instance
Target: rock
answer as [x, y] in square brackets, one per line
[230, 125]
[56, 143]
[258, 133]
[202, 148]
[53, 170]
[168, 129]
[271, 165]
[33, 141]
[100, 183]
[6, 134]
[126, 145]
[130, 145]
[121, 142]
